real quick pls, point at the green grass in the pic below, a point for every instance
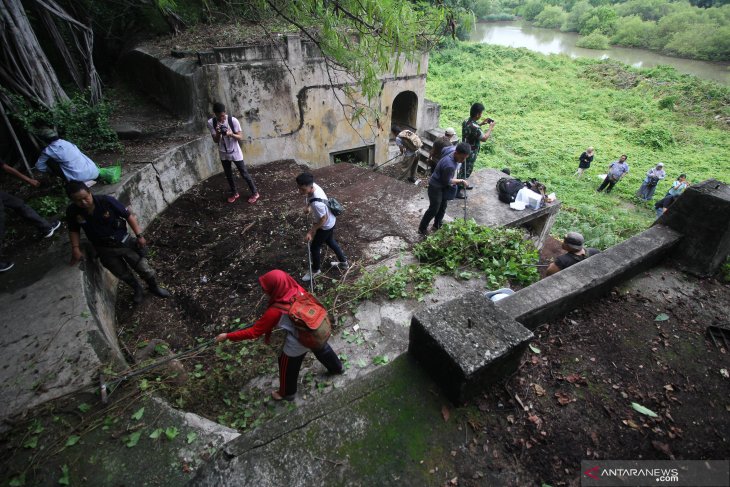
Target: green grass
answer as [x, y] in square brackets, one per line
[550, 108]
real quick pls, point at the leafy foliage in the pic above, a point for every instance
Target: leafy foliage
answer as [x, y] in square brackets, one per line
[76, 120]
[49, 205]
[503, 254]
[594, 40]
[550, 108]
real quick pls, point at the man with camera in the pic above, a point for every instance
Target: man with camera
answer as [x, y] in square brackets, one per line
[226, 132]
[472, 134]
[104, 220]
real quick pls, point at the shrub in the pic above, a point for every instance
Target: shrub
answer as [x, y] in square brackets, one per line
[668, 102]
[655, 136]
[76, 120]
[550, 18]
[595, 40]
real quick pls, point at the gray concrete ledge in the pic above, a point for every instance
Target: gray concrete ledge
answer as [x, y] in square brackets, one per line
[556, 295]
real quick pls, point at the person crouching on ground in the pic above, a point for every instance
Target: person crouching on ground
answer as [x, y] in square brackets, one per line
[409, 163]
[573, 244]
[439, 186]
[64, 160]
[438, 146]
[104, 220]
[281, 288]
[323, 228]
[226, 132]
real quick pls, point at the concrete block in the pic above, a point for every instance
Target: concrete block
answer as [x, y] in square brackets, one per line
[702, 215]
[466, 344]
[556, 295]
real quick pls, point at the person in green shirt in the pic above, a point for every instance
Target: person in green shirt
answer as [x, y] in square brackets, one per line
[472, 134]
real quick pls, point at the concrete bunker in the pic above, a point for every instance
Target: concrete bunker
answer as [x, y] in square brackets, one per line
[359, 155]
[405, 110]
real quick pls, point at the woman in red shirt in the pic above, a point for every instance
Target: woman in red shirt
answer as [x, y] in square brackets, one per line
[281, 288]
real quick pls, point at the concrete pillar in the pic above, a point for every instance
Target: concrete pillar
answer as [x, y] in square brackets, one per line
[294, 50]
[702, 215]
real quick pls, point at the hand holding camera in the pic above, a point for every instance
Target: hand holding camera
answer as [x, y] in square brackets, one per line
[223, 129]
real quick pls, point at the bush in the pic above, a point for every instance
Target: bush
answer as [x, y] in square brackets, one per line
[655, 136]
[633, 32]
[668, 102]
[550, 18]
[76, 120]
[531, 9]
[499, 17]
[595, 40]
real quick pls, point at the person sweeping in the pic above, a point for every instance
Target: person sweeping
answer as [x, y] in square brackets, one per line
[288, 309]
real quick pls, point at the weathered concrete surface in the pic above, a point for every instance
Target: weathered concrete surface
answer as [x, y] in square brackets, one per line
[386, 429]
[283, 96]
[58, 323]
[176, 84]
[467, 344]
[55, 334]
[484, 206]
[702, 215]
[556, 295]
[102, 458]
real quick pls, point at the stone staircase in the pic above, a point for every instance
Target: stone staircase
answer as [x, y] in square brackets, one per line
[430, 137]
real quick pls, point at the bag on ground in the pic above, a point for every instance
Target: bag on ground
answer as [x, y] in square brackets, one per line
[410, 140]
[111, 174]
[507, 189]
[310, 320]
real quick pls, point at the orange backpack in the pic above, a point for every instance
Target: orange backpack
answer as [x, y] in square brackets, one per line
[310, 320]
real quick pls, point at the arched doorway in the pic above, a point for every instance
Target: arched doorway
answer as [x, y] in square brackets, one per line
[405, 110]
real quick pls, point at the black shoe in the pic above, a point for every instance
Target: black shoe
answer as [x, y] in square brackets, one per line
[157, 290]
[412, 180]
[54, 227]
[6, 266]
[460, 195]
[434, 228]
[470, 188]
[423, 233]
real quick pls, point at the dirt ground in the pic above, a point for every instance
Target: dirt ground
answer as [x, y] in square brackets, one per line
[571, 398]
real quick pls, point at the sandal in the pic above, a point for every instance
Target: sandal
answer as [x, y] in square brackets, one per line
[278, 397]
[253, 199]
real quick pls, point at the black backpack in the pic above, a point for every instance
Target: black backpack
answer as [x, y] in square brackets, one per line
[507, 189]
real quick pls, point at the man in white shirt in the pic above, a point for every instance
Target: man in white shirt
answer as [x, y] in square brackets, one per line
[226, 132]
[323, 228]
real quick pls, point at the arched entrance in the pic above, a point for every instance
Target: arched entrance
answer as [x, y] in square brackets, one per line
[405, 110]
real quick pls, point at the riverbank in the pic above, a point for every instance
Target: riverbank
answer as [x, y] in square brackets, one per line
[552, 41]
[550, 108]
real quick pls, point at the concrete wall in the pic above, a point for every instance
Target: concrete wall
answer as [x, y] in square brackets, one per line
[554, 296]
[283, 96]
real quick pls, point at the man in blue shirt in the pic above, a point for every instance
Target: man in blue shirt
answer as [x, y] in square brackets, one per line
[616, 171]
[104, 220]
[64, 159]
[440, 184]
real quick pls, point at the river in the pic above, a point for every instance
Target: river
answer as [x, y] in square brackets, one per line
[548, 41]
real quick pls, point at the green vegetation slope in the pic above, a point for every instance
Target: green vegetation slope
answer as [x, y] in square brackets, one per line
[550, 108]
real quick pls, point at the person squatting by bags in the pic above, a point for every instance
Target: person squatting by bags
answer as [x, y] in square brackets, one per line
[288, 308]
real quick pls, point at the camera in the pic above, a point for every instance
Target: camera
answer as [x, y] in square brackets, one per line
[223, 129]
[490, 120]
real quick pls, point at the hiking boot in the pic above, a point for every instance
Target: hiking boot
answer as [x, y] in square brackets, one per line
[309, 276]
[233, 198]
[6, 265]
[54, 227]
[157, 290]
[137, 288]
[423, 233]
[413, 180]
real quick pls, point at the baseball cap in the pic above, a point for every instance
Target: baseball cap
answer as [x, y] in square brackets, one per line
[574, 240]
[450, 131]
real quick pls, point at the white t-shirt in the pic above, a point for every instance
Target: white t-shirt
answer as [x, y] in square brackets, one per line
[320, 208]
[228, 147]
